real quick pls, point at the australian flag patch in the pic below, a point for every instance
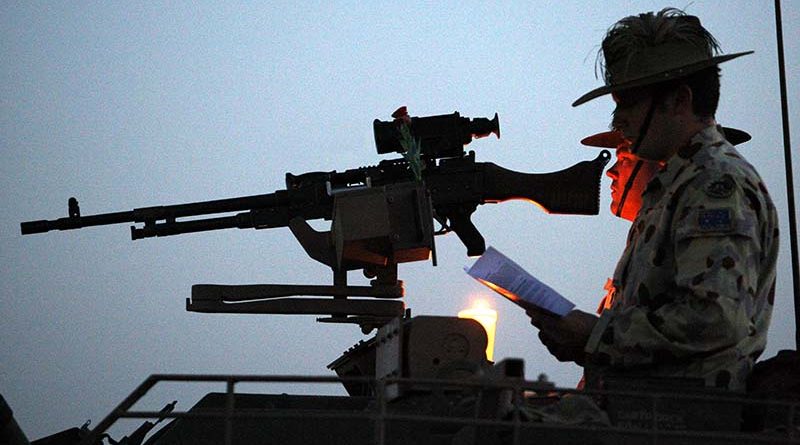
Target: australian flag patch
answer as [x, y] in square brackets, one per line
[715, 220]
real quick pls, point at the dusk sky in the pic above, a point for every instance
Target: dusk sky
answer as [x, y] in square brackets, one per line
[133, 104]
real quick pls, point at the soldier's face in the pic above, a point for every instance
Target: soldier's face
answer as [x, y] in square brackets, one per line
[630, 114]
[620, 173]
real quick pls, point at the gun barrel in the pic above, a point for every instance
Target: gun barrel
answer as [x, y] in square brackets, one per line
[181, 227]
[76, 222]
[210, 207]
[151, 215]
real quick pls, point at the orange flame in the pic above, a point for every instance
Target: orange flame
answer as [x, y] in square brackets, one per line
[487, 317]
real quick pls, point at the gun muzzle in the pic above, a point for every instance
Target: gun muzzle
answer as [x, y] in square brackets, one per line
[31, 227]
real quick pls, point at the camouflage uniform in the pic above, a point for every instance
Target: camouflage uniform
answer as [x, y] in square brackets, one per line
[695, 286]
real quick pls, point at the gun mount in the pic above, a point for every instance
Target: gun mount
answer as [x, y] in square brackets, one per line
[380, 215]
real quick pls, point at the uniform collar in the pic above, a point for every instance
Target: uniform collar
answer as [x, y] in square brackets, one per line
[691, 153]
[708, 136]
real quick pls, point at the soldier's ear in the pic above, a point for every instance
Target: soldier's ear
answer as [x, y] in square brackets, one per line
[682, 100]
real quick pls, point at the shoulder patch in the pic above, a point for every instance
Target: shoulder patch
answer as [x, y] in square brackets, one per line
[721, 188]
[715, 220]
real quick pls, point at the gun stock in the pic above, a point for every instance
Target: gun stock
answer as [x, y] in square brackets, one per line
[574, 190]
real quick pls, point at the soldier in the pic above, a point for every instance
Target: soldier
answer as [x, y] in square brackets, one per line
[629, 177]
[695, 284]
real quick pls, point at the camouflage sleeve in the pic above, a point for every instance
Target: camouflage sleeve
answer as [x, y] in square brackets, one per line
[716, 252]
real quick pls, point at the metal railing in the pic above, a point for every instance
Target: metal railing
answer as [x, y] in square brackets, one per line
[514, 423]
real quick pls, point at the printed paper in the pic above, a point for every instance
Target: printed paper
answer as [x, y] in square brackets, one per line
[507, 278]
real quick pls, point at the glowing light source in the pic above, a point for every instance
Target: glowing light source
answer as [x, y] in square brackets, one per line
[487, 317]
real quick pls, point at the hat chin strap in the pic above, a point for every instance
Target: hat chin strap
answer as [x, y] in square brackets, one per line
[648, 118]
[628, 186]
[634, 149]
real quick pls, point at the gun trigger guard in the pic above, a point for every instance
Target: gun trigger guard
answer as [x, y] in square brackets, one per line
[445, 228]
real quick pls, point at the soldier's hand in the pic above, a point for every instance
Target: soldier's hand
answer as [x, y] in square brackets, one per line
[565, 337]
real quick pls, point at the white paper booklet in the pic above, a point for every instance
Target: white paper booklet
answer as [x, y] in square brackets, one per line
[507, 278]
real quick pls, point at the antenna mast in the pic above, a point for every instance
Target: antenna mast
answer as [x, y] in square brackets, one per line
[787, 153]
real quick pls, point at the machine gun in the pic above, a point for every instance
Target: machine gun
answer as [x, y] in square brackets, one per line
[380, 216]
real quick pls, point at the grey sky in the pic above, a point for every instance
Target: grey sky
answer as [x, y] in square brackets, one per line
[127, 105]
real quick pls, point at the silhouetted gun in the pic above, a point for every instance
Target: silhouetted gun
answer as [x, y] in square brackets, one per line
[381, 215]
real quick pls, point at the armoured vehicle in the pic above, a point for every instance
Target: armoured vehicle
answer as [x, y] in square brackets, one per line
[418, 379]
